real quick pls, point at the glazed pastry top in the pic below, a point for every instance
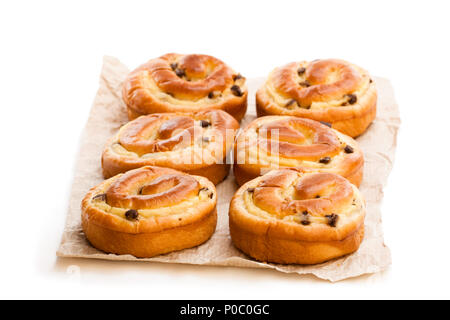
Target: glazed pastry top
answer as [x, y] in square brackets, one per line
[150, 198]
[318, 206]
[182, 81]
[285, 141]
[317, 85]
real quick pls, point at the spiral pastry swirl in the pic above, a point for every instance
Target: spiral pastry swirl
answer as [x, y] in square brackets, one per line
[334, 91]
[149, 211]
[293, 216]
[184, 83]
[197, 144]
[273, 142]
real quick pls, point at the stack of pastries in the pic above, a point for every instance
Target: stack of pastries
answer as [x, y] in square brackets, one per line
[297, 164]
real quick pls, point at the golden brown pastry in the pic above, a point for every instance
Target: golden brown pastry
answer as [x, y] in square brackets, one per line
[291, 216]
[197, 144]
[184, 83]
[149, 211]
[282, 141]
[333, 91]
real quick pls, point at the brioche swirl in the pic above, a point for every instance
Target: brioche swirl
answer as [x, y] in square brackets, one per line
[283, 141]
[184, 83]
[332, 90]
[140, 212]
[293, 216]
[196, 144]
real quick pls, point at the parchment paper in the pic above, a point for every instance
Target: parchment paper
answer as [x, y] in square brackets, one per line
[108, 114]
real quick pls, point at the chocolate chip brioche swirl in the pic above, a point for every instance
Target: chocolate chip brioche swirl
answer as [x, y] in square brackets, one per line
[149, 211]
[282, 141]
[184, 83]
[293, 216]
[334, 91]
[196, 144]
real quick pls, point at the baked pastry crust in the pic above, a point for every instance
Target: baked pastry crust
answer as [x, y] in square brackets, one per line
[274, 142]
[333, 91]
[149, 211]
[291, 216]
[184, 83]
[196, 144]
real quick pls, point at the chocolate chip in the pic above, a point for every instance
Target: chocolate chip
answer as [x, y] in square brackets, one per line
[301, 71]
[348, 149]
[352, 98]
[100, 197]
[370, 81]
[326, 123]
[236, 90]
[203, 189]
[131, 214]
[211, 95]
[174, 66]
[205, 123]
[344, 104]
[325, 160]
[180, 72]
[206, 190]
[237, 77]
[317, 197]
[332, 219]
[307, 107]
[290, 103]
[305, 219]
[211, 195]
[251, 190]
[305, 84]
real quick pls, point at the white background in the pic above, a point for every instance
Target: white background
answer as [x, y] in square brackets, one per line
[50, 59]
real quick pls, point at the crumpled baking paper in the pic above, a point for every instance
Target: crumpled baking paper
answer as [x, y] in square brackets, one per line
[108, 114]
